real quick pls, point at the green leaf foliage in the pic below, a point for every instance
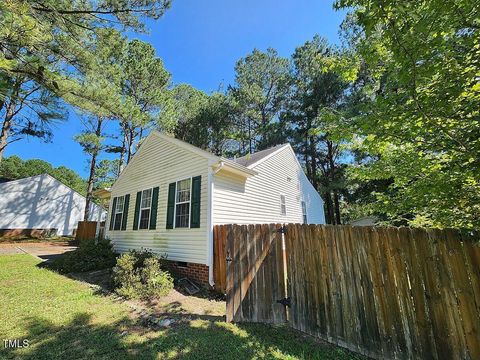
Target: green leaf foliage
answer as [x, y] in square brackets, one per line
[139, 274]
[419, 118]
[13, 168]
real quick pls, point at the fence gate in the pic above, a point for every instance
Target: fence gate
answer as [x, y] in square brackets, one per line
[255, 273]
[395, 293]
[86, 230]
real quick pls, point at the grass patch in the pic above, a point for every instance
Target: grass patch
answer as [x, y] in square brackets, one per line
[65, 319]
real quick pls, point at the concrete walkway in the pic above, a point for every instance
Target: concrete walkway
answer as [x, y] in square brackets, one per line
[44, 250]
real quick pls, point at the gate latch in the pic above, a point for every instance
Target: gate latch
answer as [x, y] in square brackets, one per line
[282, 229]
[285, 302]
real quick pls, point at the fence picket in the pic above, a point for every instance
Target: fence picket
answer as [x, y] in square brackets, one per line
[384, 292]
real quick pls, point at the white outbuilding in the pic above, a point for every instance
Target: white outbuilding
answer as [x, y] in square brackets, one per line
[41, 203]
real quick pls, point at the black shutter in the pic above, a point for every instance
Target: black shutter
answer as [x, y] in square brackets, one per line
[112, 214]
[153, 210]
[195, 210]
[137, 210]
[125, 212]
[171, 205]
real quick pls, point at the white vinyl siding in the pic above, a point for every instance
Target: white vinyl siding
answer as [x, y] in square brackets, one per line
[42, 202]
[160, 162]
[256, 199]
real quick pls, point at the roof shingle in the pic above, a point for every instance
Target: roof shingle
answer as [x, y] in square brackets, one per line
[250, 159]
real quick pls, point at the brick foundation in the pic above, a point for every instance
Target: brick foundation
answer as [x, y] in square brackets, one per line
[196, 272]
[34, 233]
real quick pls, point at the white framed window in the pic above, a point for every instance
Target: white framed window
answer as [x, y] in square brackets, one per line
[119, 207]
[304, 212]
[183, 197]
[145, 209]
[283, 206]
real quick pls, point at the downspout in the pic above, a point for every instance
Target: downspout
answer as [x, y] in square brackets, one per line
[211, 279]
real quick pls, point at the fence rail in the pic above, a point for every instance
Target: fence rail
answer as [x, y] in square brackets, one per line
[384, 292]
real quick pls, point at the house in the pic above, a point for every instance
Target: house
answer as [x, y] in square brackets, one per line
[364, 221]
[42, 205]
[171, 194]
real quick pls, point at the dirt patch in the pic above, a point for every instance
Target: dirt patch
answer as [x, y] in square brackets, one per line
[180, 305]
[43, 250]
[10, 250]
[177, 305]
[60, 240]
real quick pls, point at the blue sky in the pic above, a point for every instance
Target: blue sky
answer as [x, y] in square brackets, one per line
[199, 42]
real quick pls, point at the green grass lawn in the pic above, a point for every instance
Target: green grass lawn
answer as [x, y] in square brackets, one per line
[65, 319]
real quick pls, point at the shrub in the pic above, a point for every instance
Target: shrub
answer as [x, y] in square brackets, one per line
[139, 274]
[87, 257]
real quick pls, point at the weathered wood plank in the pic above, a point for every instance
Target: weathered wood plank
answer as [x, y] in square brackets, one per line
[385, 292]
[230, 273]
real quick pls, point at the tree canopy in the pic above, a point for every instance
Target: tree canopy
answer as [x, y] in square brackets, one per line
[13, 168]
[386, 124]
[420, 125]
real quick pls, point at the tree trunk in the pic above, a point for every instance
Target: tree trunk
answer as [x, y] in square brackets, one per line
[124, 150]
[336, 202]
[2, 103]
[131, 140]
[332, 178]
[329, 217]
[91, 176]
[7, 122]
[140, 138]
[6, 126]
[313, 157]
[250, 135]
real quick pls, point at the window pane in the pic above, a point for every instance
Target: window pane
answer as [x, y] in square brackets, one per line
[146, 198]
[119, 204]
[144, 218]
[118, 221]
[283, 207]
[304, 212]
[182, 215]
[183, 190]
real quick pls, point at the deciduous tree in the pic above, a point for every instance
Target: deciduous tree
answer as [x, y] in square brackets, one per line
[420, 122]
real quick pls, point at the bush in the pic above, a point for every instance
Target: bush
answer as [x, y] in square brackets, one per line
[139, 274]
[87, 257]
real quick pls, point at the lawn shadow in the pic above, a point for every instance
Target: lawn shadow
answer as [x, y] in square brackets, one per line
[82, 338]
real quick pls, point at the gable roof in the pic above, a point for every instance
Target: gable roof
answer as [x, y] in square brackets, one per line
[245, 171]
[45, 175]
[251, 160]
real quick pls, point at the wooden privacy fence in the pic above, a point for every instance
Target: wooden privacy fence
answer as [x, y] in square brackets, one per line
[86, 230]
[383, 292]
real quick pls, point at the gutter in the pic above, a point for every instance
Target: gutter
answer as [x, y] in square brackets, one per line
[232, 166]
